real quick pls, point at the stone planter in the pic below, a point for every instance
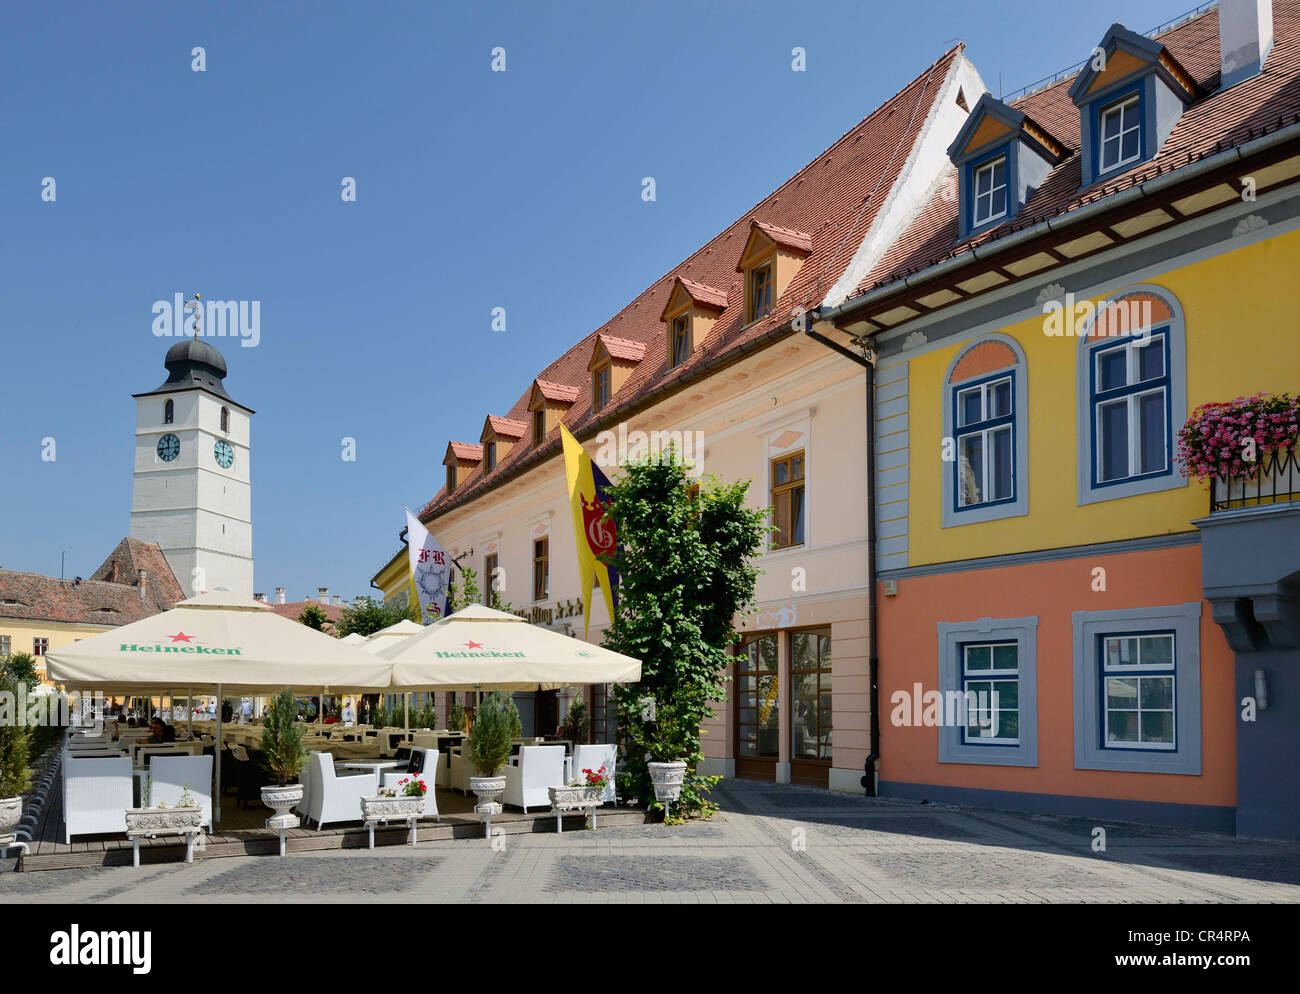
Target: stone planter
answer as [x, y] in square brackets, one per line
[11, 813]
[667, 780]
[487, 789]
[163, 821]
[381, 808]
[281, 799]
[575, 797]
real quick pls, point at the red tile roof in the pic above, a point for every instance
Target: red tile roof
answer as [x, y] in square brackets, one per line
[466, 451]
[702, 294]
[786, 237]
[625, 348]
[1217, 121]
[111, 596]
[559, 392]
[834, 199]
[292, 609]
[507, 427]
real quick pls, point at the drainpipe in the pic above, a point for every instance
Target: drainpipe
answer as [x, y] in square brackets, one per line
[867, 360]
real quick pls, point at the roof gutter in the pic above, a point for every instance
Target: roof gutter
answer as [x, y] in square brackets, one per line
[1081, 215]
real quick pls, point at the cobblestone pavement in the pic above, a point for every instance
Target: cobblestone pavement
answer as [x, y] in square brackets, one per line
[770, 845]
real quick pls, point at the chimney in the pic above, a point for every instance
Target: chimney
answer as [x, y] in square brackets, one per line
[142, 578]
[1245, 39]
[338, 600]
[279, 595]
[260, 598]
[323, 594]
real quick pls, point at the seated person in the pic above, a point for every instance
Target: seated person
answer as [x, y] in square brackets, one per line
[332, 719]
[160, 732]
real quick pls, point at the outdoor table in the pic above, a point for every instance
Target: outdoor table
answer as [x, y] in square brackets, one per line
[375, 766]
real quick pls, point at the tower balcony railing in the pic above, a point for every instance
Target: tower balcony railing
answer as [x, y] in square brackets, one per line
[1276, 482]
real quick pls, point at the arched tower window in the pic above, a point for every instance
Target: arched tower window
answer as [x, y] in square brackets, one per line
[169, 412]
[225, 419]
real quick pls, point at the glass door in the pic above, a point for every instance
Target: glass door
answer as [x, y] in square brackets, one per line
[810, 704]
[758, 734]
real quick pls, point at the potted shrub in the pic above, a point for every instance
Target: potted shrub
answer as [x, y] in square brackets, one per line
[283, 757]
[15, 773]
[456, 718]
[660, 734]
[489, 748]
[577, 723]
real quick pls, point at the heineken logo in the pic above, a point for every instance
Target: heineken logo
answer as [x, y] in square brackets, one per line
[188, 646]
[470, 653]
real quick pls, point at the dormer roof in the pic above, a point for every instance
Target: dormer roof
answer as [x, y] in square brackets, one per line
[463, 452]
[787, 238]
[992, 121]
[697, 293]
[555, 392]
[1127, 54]
[617, 349]
[504, 427]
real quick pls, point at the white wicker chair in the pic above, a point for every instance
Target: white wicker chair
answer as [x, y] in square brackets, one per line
[336, 798]
[171, 776]
[96, 794]
[593, 757]
[539, 767]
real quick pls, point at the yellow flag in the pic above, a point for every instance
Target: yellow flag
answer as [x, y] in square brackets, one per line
[593, 533]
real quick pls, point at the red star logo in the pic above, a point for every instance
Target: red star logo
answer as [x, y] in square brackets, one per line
[473, 645]
[182, 637]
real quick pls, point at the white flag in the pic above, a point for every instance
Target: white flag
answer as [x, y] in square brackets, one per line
[430, 570]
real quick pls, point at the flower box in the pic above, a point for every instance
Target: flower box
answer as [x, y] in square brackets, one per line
[382, 808]
[148, 822]
[575, 797]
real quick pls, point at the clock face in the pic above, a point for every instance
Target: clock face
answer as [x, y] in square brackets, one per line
[169, 447]
[224, 454]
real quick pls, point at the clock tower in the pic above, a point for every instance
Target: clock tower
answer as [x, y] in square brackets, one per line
[192, 494]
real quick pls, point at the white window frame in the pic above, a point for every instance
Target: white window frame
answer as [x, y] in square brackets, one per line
[979, 170]
[1118, 108]
[985, 434]
[1131, 372]
[1139, 671]
[990, 676]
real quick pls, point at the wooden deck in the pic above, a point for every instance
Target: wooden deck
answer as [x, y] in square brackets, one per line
[243, 832]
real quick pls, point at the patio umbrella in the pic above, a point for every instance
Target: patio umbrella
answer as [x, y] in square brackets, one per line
[386, 637]
[235, 644]
[482, 648]
[354, 638]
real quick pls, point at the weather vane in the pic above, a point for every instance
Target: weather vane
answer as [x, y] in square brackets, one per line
[197, 306]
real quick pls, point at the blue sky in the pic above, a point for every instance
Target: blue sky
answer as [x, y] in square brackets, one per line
[475, 189]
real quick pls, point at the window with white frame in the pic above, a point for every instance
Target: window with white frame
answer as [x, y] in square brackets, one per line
[1120, 125]
[40, 646]
[1138, 693]
[988, 679]
[990, 686]
[1137, 689]
[1130, 401]
[990, 181]
[5, 644]
[985, 441]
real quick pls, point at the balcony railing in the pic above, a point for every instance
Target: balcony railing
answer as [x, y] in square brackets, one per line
[1278, 481]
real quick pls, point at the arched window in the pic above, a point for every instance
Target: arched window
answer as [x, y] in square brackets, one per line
[169, 412]
[225, 419]
[984, 414]
[1132, 395]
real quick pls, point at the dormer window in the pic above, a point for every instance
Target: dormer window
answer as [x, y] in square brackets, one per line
[600, 392]
[169, 412]
[769, 262]
[1121, 133]
[1002, 157]
[489, 457]
[681, 341]
[760, 292]
[1129, 102]
[498, 437]
[539, 426]
[991, 191]
[451, 477]
[460, 455]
